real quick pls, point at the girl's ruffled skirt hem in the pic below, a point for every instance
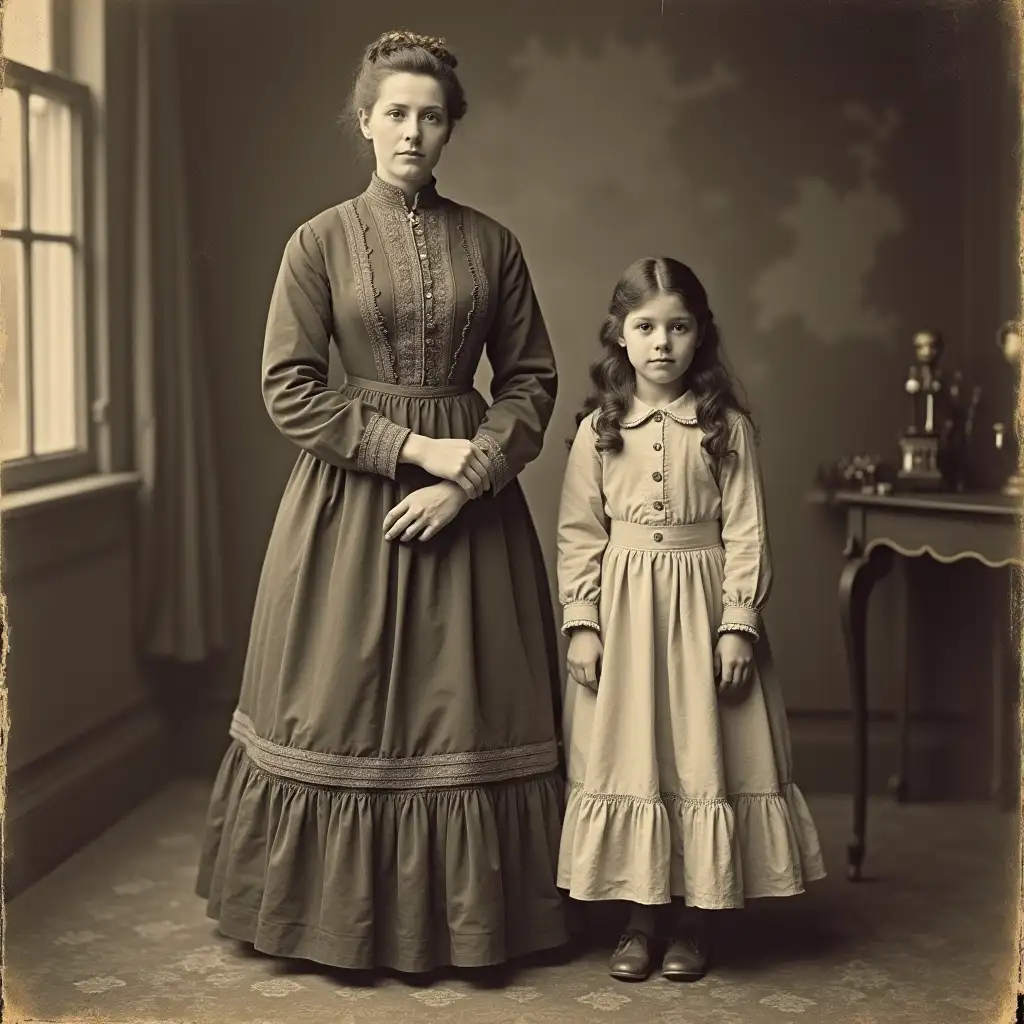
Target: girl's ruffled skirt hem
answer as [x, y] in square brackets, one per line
[715, 854]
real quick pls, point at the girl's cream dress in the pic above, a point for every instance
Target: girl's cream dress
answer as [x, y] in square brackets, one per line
[674, 791]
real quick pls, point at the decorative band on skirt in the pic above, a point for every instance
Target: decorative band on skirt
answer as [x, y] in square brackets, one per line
[408, 390]
[674, 537]
[429, 771]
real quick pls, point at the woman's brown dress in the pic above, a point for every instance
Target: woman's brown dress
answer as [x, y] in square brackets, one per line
[392, 795]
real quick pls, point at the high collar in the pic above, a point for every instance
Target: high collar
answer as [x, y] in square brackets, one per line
[391, 195]
[682, 410]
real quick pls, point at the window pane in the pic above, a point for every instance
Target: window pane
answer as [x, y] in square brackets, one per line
[13, 436]
[49, 152]
[12, 160]
[54, 352]
[28, 33]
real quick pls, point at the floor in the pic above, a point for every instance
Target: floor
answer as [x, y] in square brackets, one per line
[116, 935]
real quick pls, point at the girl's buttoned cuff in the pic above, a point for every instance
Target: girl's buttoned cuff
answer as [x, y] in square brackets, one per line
[738, 618]
[580, 615]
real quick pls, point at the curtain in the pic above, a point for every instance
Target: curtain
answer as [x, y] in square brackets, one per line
[181, 600]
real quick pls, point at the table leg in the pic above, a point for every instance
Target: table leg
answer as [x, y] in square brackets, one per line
[998, 727]
[899, 782]
[1011, 789]
[1005, 756]
[858, 578]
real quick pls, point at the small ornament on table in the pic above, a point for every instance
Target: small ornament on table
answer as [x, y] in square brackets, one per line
[958, 432]
[921, 444]
[1009, 341]
[865, 472]
[869, 474]
[913, 388]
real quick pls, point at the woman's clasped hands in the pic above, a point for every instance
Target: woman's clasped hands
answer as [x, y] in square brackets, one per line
[452, 459]
[464, 473]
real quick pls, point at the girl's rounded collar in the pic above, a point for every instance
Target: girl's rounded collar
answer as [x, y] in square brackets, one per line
[683, 410]
[391, 195]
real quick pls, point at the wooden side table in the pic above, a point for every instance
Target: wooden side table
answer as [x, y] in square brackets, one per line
[949, 528]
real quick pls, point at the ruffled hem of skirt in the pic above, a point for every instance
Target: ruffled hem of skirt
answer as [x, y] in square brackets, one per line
[713, 853]
[410, 881]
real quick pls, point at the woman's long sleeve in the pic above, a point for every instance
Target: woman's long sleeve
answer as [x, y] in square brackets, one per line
[748, 572]
[525, 380]
[342, 431]
[582, 534]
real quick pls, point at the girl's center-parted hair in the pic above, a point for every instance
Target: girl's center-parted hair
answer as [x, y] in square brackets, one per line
[613, 377]
[409, 53]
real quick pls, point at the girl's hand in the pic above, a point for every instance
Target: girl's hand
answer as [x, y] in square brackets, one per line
[452, 459]
[424, 512]
[584, 658]
[734, 662]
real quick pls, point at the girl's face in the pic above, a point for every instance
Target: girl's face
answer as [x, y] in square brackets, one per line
[660, 338]
[408, 126]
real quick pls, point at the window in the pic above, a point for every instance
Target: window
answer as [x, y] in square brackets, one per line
[45, 143]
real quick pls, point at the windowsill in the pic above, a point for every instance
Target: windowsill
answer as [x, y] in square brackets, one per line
[16, 504]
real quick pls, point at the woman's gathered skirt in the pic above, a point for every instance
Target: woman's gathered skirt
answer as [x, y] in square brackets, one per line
[392, 795]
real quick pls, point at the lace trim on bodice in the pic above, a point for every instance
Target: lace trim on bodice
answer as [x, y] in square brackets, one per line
[423, 346]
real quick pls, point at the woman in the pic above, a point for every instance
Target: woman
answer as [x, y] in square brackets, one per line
[393, 795]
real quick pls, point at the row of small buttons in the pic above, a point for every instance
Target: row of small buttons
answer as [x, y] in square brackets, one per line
[657, 477]
[428, 281]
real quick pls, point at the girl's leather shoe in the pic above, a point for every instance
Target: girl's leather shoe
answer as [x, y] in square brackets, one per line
[686, 958]
[631, 960]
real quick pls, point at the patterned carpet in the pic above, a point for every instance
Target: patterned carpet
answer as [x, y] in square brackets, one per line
[115, 934]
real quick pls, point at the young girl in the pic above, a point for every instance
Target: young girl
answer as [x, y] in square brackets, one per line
[680, 781]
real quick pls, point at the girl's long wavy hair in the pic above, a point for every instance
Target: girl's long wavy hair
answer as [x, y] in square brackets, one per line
[613, 378]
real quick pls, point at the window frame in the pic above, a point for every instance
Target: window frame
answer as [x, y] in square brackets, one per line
[37, 470]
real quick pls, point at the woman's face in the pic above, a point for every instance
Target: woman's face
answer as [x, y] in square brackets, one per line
[408, 126]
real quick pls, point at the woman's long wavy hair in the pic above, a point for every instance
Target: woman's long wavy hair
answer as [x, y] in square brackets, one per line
[614, 379]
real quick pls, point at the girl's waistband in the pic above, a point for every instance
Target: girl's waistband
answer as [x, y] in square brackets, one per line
[680, 537]
[407, 390]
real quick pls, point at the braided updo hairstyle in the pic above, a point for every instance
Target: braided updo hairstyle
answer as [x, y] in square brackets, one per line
[414, 54]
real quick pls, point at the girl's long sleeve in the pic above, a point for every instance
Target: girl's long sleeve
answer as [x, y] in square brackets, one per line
[748, 572]
[582, 534]
[525, 380]
[342, 431]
